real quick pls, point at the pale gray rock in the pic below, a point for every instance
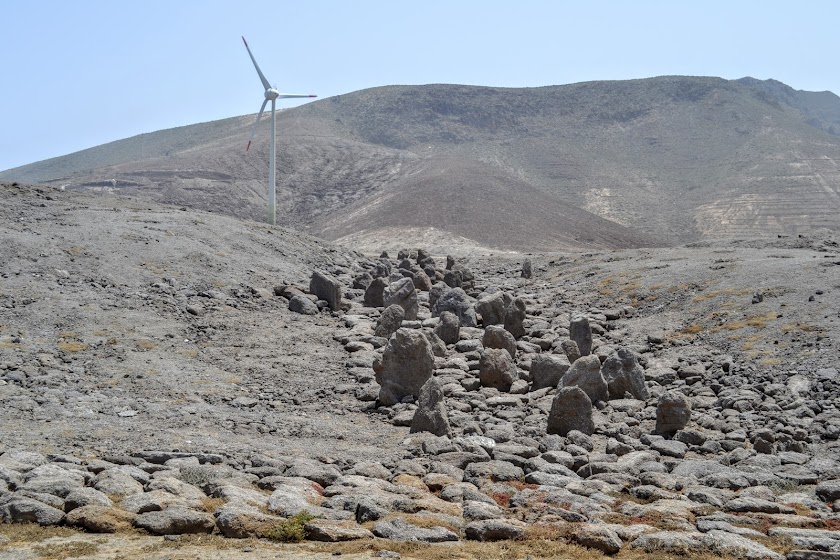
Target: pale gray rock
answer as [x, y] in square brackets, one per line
[490, 530]
[828, 490]
[673, 412]
[597, 537]
[570, 349]
[402, 293]
[327, 288]
[374, 293]
[478, 511]
[400, 530]
[389, 321]
[448, 327]
[17, 509]
[456, 301]
[496, 369]
[497, 471]
[407, 363]
[497, 337]
[581, 333]
[547, 370]
[240, 520]
[730, 544]
[586, 374]
[303, 305]
[325, 530]
[623, 374]
[86, 496]
[571, 409]
[431, 415]
[515, 318]
[100, 519]
[492, 308]
[175, 521]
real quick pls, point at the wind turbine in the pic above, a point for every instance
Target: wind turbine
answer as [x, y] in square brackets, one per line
[271, 94]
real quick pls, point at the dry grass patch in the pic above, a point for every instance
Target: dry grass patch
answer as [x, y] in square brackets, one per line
[32, 532]
[144, 344]
[210, 505]
[802, 328]
[72, 346]
[60, 551]
[756, 321]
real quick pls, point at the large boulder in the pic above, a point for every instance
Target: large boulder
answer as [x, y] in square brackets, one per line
[374, 293]
[456, 301]
[497, 337]
[402, 293]
[327, 288]
[623, 374]
[492, 307]
[448, 328]
[407, 363]
[515, 318]
[571, 409]
[547, 370]
[389, 321]
[431, 415]
[175, 521]
[581, 333]
[496, 369]
[586, 374]
[673, 411]
[437, 290]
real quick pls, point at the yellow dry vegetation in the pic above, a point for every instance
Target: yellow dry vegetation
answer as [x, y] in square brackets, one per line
[756, 321]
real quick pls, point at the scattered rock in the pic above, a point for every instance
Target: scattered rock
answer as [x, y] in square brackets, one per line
[407, 364]
[431, 415]
[571, 409]
[673, 412]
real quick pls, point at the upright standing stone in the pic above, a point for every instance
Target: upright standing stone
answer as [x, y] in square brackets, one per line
[570, 348]
[374, 293]
[571, 410]
[431, 415]
[450, 262]
[327, 288]
[673, 411]
[581, 333]
[623, 374]
[448, 328]
[515, 318]
[407, 363]
[402, 293]
[526, 269]
[491, 307]
[497, 337]
[389, 321]
[547, 370]
[586, 374]
[496, 369]
[456, 301]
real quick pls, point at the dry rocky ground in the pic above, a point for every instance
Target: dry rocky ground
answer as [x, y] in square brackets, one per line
[178, 384]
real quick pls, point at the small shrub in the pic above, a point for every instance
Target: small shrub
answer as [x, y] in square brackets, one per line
[291, 530]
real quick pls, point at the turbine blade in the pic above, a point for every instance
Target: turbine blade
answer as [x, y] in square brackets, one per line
[294, 95]
[254, 131]
[265, 83]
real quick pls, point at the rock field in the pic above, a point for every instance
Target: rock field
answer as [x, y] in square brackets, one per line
[167, 373]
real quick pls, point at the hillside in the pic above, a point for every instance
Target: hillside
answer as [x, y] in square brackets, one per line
[599, 164]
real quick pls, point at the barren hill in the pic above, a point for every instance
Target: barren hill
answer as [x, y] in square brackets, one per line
[599, 164]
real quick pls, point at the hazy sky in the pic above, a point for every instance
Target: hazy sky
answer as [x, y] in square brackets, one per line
[75, 74]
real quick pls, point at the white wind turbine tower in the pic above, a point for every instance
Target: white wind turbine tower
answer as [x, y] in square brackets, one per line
[271, 94]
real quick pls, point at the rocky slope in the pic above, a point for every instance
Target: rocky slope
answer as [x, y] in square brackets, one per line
[177, 372]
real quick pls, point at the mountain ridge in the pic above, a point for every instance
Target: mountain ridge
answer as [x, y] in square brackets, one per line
[667, 160]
